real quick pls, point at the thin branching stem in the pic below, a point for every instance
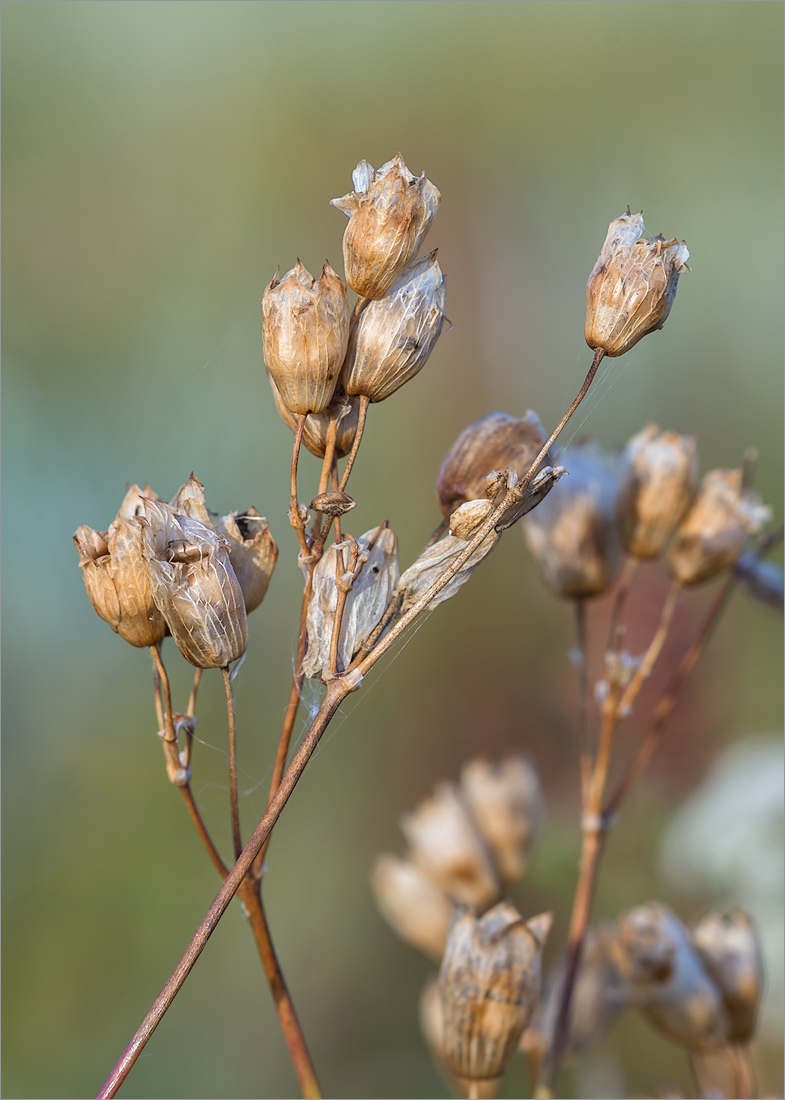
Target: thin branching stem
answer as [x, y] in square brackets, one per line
[362, 413]
[294, 507]
[644, 669]
[583, 697]
[204, 836]
[233, 798]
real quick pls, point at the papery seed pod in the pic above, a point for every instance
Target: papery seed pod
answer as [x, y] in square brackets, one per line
[317, 425]
[333, 503]
[762, 579]
[445, 843]
[368, 597]
[490, 985]
[717, 528]
[390, 211]
[194, 587]
[432, 1026]
[491, 443]
[505, 800]
[729, 948]
[189, 501]
[632, 286]
[667, 979]
[573, 535]
[411, 902]
[115, 575]
[434, 561]
[253, 553]
[392, 337]
[468, 517]
[305, 329]
[659, 485]
[538, 488]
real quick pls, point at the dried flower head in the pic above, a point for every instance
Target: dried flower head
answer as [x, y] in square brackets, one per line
[432, 563]
[729, 948]
[392, 337]
[632, 286]
[505, 800]
[115, 574]
[660, 481]
[194, 586]
[305, 329]
[490, 985]
[390, 211]
[345, 410]
[717, 528]
[412, 903]
[573, 535]
[253, 553]
[432, 1026]
[491, 443]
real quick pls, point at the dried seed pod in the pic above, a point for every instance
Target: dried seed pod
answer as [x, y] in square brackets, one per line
[717, 528]
[368, 596]
[445, 843]
[305, 329]
[390, 211]
[573, 535]
[252, 551]
[411, 902]
[660, 481]
[632, 286]
[392, 337]
[434, 561]
[115, 574]
[536, 491]
[729, 948]
[490, 985]
[317, 425]
[333, 503]
[468, 517]
[491, 443]
[432, 1026]
[189, 501]
[667, 979]
[762, 579]
[194, 587]
[505, 800]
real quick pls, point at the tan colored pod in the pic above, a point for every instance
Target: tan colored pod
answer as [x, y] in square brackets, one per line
[432, 1027]
[317, 425]
[412, 904]
[505, 800]
[731, 953]
[659, 485]
[253, 553]
[434, 561]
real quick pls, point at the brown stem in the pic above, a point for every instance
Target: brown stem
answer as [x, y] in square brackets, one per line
[644, 669]
[438, 532]
[337, 691]
[583, 698]
[358, 435]
[622, 592]
[340, 603]
[233, 800]
[204, 836]
[174, 768]
[294, 507]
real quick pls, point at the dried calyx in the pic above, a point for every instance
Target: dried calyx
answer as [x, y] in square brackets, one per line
[659, 484]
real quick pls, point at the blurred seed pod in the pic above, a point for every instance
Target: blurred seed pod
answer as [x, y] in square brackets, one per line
[667, 979]
[390, 211]
[317, 425]
[392, 337]
[412, 904]
[432, 1026]
[717, 528]
[491, 443]
[729, 948]
[660, 482]
[253, 553]
[573, 534]
[194, 587]
[490, 985]
[505, 800]
[369, 593]
[632, 286]
[115, 574]
[762, 579]
[305, 329]
[446, 845]
[434, 561]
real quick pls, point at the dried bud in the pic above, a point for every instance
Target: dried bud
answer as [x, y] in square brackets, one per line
[573, 534]
[369, 583]
[489, 444]
[194, 587]
[632, 286]
[333, 503]
[729, 948]
[467, 518]
[410, 901]
[432, 1026]
[660, 482]
[717, 528]
[189, 501]
[115, 575]
[490, 985]
[505, 800]
[317, 425]
[390, 211]
[305, 329]
[446, 844]
[434, 561]
[392, 338]
[667, 979]
[252, 551]
[762, 579]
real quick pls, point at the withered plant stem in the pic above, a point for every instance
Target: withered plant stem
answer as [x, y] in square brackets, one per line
[233, 800]
[159, 710]
[644, 669]
[169, 736]
[194, 691]
[583, 697]
[622, 592]
[204, 836]
[294, 512]
[341, 568]
[358, 435]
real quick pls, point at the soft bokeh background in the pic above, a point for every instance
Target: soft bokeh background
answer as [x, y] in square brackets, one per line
[159, 161]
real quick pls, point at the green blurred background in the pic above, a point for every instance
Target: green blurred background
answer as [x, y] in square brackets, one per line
[159, 161]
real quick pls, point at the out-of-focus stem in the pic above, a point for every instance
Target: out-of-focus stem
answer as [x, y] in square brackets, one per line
[644, 669]
[583, 697]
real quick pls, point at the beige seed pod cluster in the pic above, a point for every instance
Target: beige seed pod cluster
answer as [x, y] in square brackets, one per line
[660, 482]
[345, 410]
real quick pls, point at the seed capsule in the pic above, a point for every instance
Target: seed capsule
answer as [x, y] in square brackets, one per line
[730, 952]
[632, 286]
[432, 563]
[660, 481]
[505, 800]
[392, 337]
[432, 1026]
[390, 211]
[252, 551]
[317, 425]
[305, 329]
[411, 902]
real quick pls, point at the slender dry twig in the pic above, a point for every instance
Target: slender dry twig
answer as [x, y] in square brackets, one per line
[583, 697]
[235, 809]
[294, 508]
[363, 412]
